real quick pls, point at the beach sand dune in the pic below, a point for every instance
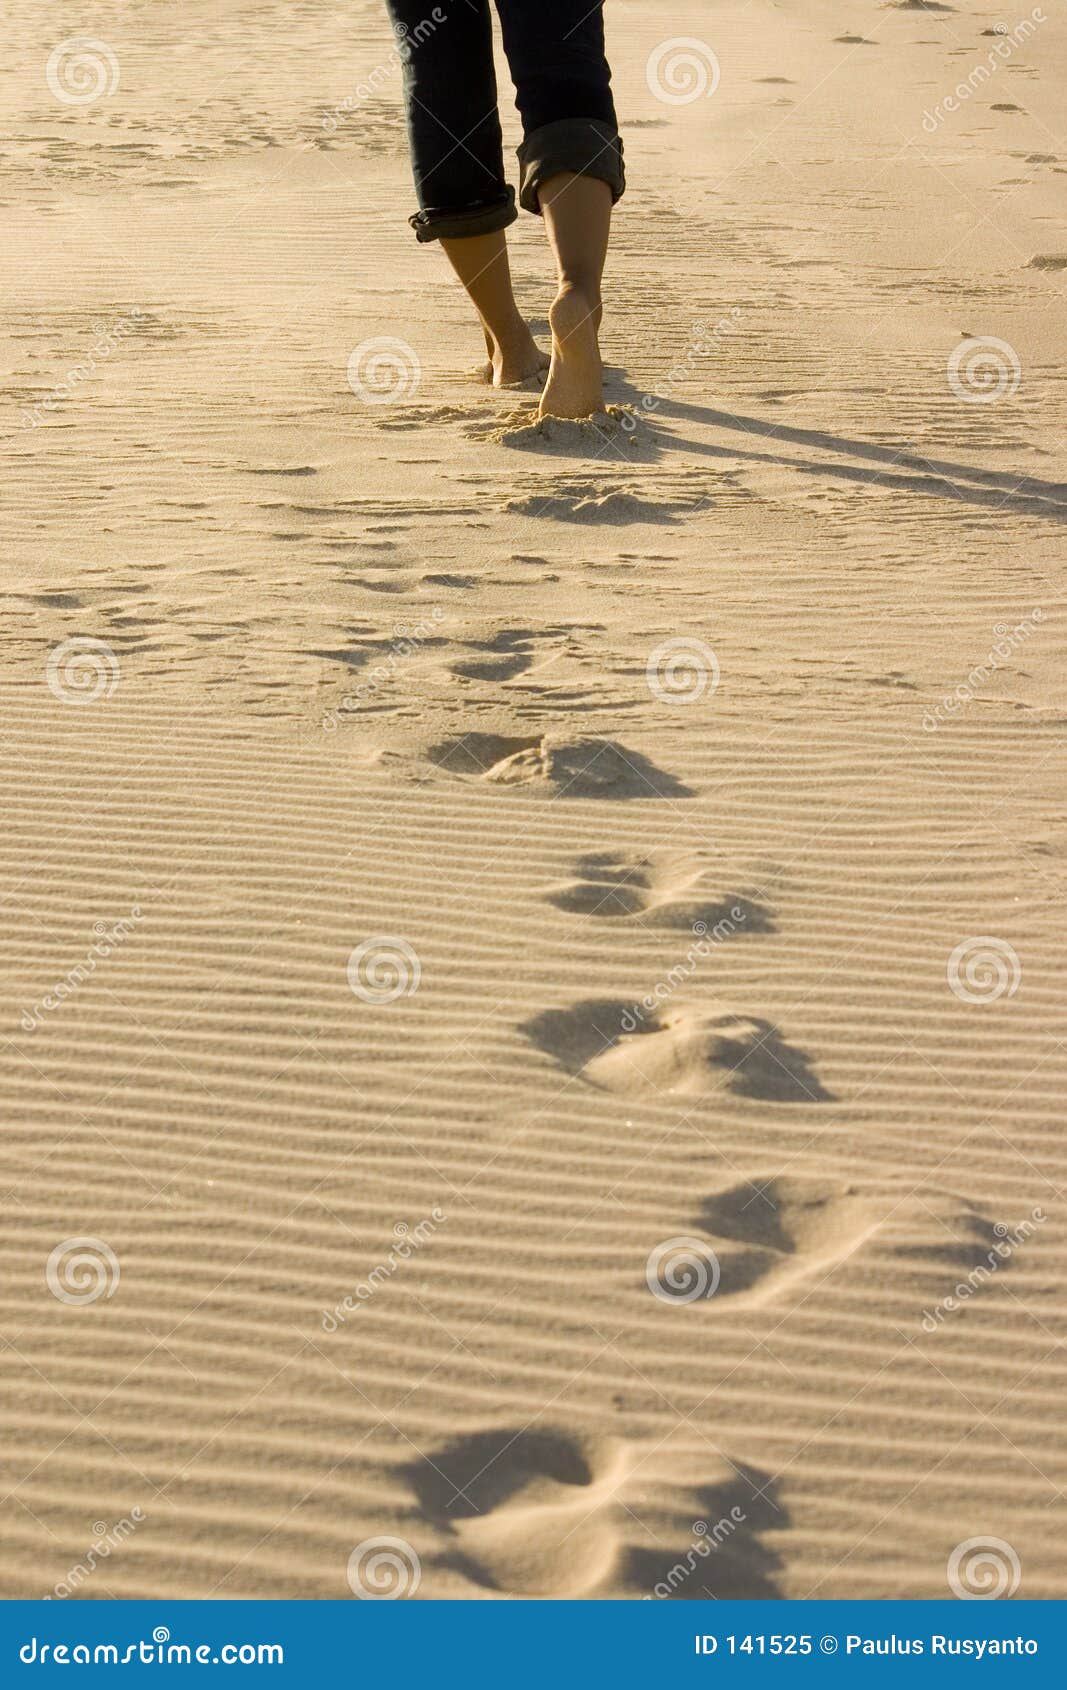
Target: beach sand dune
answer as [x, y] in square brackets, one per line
[531, 964]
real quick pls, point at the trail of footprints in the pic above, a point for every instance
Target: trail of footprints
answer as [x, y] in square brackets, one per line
[663, 1043]
[544, 1510]
[541, 1511]
[772, 1239]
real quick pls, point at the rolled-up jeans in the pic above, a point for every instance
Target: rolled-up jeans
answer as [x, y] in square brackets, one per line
[555, 52]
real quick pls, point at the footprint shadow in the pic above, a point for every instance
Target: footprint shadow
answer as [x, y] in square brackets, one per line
[506, 654]
[617, 1047]
[725, 1558]
[574, 768]
[540, 1512]
[526, 1510]
[658, 892]
[771, 1236]
[780, 1231]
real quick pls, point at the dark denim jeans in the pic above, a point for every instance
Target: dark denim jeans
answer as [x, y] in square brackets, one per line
[555, 51]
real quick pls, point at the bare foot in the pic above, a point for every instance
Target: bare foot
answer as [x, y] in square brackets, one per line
[512, 363]
[575, 385]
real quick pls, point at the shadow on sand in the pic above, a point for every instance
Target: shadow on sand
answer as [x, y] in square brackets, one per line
[933, 477]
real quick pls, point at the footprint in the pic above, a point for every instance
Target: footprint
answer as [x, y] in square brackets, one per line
[56, 601]
[770, 1236]
[617, 428]
[547, 1511]
[506, 656]
[662, 891]
[578, 768]
[529, 1511]
[420, 416]
[613, 506]
[724, 1558]
[685, 1052]
[276, 469]
[510, 652]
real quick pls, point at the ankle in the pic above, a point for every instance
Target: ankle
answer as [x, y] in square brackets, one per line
[507, 338]
[582, 287]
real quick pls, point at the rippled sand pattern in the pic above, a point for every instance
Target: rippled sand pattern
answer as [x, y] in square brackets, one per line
[532, 960]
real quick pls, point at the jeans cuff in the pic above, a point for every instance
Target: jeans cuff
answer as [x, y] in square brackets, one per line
[481, 218]
[585, 145]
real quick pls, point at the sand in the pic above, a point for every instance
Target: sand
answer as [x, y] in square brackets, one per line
[531, 958]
